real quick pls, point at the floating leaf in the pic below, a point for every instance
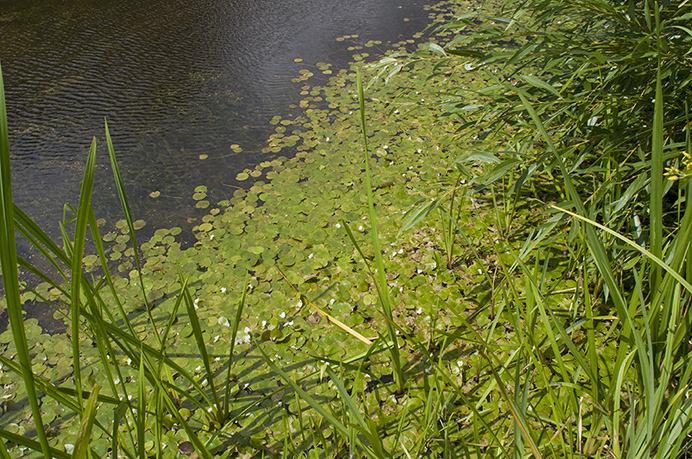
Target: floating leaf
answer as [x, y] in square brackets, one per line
[155, 194]
[90, 259]
[110, 236]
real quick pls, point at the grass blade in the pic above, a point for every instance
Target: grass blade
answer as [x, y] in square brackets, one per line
[10, 276]
[656, 196]
[32, 444]
[130, 223]
[368, 430]
[234, 333]
[77, 254]
[323, 313]
[81, 446]
[380, 277]
[201, 345]
[316, 405]
[657, 261]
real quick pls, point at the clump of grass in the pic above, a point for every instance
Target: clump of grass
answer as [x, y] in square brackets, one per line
[162, 384]
[569, 337]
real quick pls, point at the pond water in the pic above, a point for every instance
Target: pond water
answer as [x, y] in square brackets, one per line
[176, 79]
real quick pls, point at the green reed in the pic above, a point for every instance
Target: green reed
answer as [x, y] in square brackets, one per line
[8, 257]
[93, 317]
[380, 276]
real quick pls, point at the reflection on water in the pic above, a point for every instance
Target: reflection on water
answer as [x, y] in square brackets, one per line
[175, 78]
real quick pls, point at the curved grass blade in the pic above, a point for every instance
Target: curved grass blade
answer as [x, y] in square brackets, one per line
[657, 261]
[10, 276]
[130, 223]
[317, 406]
[366, 429]
[32, 445]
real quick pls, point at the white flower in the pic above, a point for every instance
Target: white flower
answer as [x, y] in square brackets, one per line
[338, 225]
[282, 315]
[223, 289]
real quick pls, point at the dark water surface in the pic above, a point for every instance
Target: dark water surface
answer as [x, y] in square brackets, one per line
[177, 79]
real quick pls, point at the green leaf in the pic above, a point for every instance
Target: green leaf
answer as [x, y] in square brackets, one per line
[537, 82]
[418, 214]
[8, 260]
[84, 435]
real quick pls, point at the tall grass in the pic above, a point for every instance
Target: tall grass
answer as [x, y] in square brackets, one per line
[92, 316]
[577, 325]
[380, 276]
[8, 258]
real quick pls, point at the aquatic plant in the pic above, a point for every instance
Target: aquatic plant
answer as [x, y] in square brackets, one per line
[525, 322]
